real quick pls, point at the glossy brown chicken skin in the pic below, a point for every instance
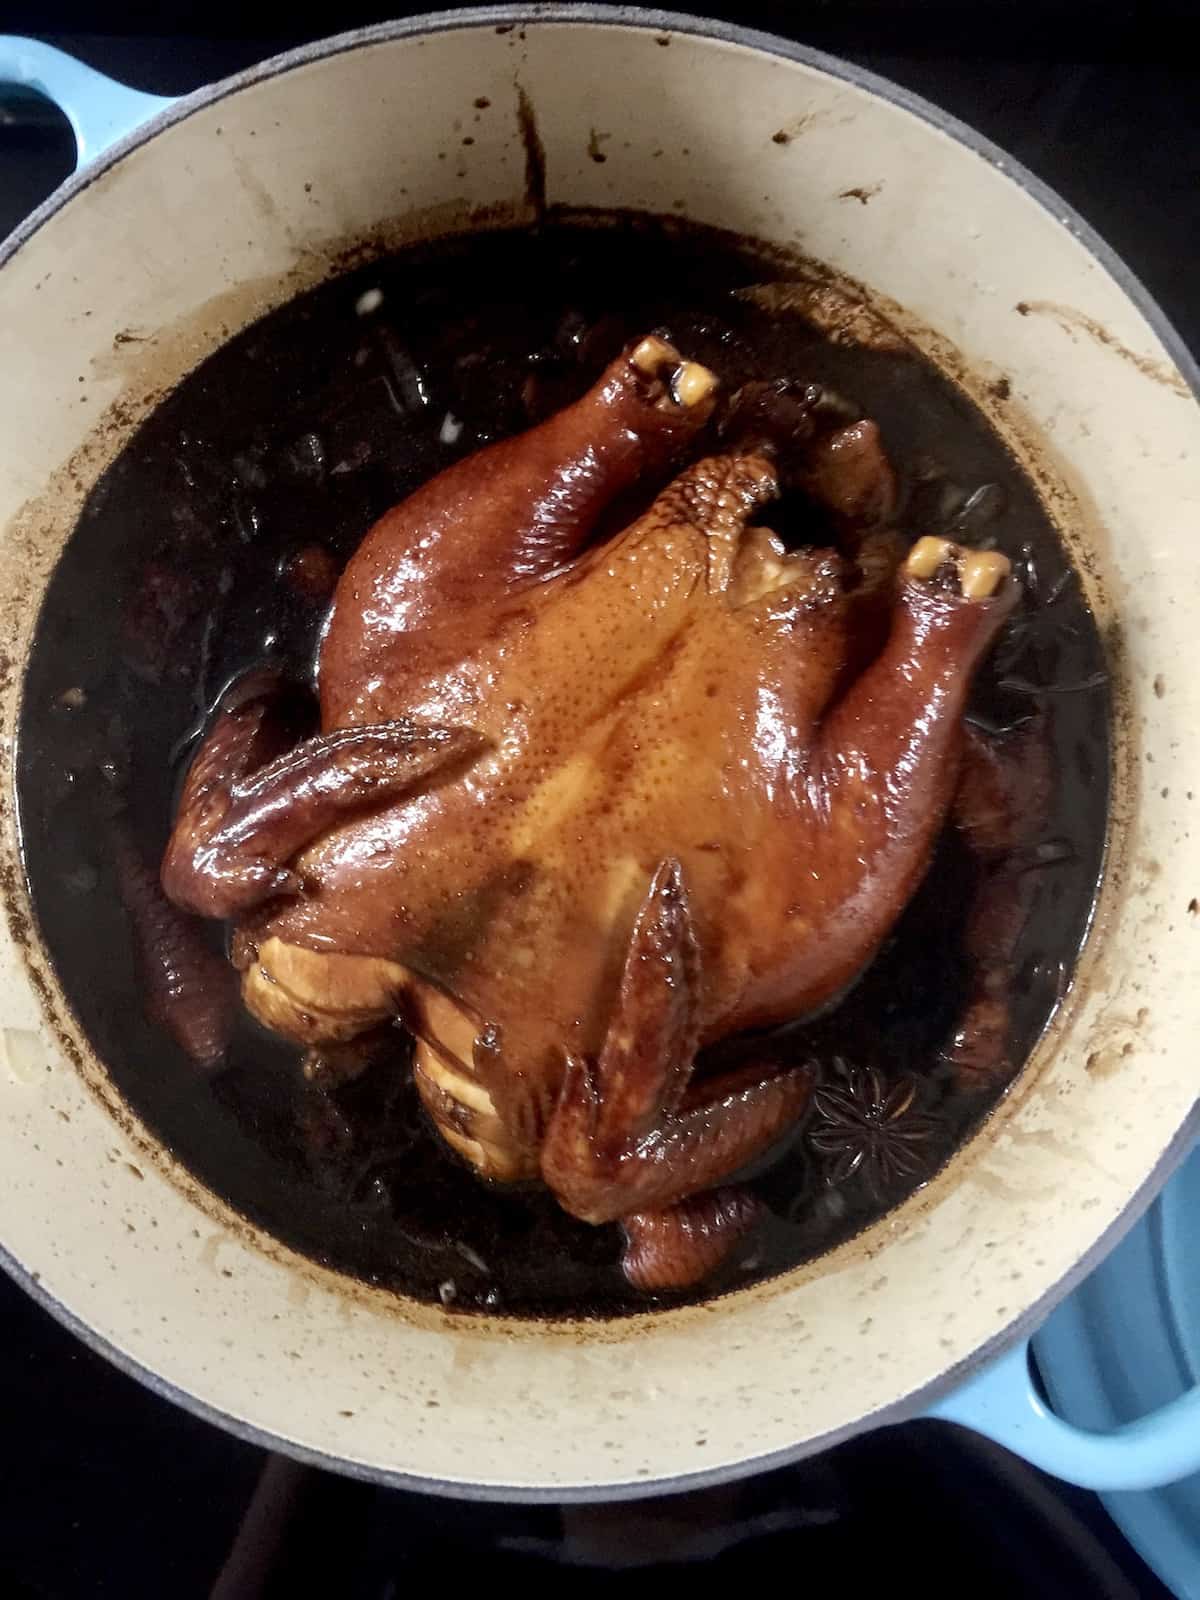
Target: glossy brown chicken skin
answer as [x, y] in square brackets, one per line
[586, 801]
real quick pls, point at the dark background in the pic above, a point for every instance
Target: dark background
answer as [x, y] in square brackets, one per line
[109, 1491]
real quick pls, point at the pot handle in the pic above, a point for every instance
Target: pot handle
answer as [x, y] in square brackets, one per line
[99, 109]
[1002, 1402]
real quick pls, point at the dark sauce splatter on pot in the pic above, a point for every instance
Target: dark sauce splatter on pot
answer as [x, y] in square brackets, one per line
[211, 545]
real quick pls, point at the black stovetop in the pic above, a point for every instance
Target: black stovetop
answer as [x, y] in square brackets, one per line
[110, 1491]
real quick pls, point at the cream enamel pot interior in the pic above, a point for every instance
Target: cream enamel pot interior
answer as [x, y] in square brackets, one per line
[228, 202]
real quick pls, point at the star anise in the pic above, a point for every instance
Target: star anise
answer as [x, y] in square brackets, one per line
[868, 1127]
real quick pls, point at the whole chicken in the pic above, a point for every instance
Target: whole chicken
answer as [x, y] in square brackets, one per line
[602, 780]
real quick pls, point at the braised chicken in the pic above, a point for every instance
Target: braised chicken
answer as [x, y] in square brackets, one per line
[604, 777]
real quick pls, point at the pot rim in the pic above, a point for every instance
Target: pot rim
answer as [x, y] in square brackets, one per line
[907, 1407]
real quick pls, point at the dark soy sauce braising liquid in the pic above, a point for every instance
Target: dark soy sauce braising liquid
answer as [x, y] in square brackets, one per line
[300, 432]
